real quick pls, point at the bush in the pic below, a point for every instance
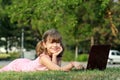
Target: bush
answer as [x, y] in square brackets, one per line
[14, 55]
[82, 57]
[4, 56]
[68, 56]
[9, 56]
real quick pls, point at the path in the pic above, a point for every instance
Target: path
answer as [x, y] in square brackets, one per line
[3, 63]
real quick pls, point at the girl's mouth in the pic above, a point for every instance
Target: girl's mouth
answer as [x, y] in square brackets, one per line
[55, 48]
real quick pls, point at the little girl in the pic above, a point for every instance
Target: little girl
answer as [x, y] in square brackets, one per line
[49, 52]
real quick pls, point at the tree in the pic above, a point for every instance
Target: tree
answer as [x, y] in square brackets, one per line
[7, 29]
[113, 17]
[78, 20]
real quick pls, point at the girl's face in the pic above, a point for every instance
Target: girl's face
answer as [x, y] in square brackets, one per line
[52, 47]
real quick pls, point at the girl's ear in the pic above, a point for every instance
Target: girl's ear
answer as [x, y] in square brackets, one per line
[44, 44]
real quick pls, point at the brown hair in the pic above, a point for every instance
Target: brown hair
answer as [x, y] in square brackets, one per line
[53, 36]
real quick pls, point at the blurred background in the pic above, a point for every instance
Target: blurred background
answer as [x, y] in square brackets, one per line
[82, 23]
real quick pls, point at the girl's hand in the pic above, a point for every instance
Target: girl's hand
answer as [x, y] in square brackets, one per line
[58, 51]
[77, 65]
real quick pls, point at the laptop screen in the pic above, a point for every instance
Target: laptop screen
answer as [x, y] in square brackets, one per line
[98, 57]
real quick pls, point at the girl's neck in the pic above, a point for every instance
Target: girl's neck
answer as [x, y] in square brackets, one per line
[48, 53]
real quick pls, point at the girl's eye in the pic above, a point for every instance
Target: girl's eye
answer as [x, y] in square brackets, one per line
[55, 42]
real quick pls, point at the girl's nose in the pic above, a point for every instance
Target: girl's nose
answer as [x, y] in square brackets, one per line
[55, 44]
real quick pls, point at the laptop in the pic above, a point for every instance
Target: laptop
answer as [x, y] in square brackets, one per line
[98, 57]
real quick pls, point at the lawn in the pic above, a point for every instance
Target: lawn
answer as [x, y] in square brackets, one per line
[108, 74]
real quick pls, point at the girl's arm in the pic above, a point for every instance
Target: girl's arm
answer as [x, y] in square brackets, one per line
[56, 60]
[59, 61]
[53, 66]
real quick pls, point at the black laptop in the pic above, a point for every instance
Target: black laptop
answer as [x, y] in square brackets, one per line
[98, 57]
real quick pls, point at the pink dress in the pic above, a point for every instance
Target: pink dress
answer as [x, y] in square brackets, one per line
[25, 65]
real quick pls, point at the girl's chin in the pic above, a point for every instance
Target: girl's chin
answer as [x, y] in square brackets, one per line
[53, 52]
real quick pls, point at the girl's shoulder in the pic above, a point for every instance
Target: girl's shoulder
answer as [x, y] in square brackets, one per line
[45, 55]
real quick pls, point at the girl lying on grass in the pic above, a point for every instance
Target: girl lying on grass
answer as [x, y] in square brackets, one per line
[49, 52]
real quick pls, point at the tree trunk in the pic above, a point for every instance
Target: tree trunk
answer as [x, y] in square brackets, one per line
[92, 40]
[76, 52]
[113, 27]
[7, 45]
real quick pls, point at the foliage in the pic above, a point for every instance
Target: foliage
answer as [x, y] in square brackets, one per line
[14, 55]
[108, 74]
[77, 20]
[4, 56]
[115, 14]
[68, 56]
[9, 56]
[8, 30]
[82, 57]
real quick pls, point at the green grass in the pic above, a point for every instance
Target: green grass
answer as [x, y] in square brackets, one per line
[108, 74]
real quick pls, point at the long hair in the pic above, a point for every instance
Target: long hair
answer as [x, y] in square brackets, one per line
[51, 35]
